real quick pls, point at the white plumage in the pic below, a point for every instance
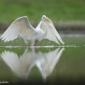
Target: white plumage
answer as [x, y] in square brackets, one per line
[47, 61]
[20, 65]
[21, 27]
[23, 65]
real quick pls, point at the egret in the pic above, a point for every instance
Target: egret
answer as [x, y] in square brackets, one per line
[22, 65]
[21, 27]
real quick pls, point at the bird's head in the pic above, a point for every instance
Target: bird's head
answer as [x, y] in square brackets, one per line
[47, 20]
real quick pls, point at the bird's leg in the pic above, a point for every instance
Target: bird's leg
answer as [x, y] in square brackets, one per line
[26, 42]
[36, 41]
[33, 43]
[33, 50]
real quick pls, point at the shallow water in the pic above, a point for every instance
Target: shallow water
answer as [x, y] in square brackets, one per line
[44, 64]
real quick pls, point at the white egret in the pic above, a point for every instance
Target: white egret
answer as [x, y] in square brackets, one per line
[21, 27]
[23, 65]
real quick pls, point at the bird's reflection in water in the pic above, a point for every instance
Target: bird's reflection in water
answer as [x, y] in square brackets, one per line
[22, 65]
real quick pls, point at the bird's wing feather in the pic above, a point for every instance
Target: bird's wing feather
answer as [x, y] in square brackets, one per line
[47, 61]
[18, 28]
[52, 33]
[54, 57]
[55, 32]
[11, 59]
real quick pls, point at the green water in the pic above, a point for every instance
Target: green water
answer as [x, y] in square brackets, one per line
[70, 66]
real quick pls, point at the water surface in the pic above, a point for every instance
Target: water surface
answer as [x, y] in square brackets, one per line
[46, 64]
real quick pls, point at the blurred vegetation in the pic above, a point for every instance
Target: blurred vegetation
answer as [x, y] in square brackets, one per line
[57, 10]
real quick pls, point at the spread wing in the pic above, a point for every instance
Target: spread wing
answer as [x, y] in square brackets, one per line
[47, 62]
[20, 66]
[52, 33]
[11, 59]
[19, 28]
